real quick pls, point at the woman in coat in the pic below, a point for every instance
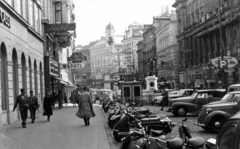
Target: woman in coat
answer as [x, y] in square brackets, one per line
[85, 107]
[48, 106]
[73, 98]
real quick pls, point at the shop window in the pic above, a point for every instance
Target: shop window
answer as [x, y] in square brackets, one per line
[58, 12]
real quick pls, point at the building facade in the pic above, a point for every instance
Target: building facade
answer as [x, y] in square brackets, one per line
[149, 48]
[133, 35]
[58, 45]
[200, 41]
[106, 58]
[21, 54]
[83, 75]
[167, 50]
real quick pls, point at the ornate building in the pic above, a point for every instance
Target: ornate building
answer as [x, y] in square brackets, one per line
[132, 36]
[167, 50]
[199, 24]
[106, 57]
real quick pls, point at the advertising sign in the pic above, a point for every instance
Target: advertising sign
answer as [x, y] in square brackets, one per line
[60, 27]
[53, 66]
[5, 19]
[227, 62]
[73, 66]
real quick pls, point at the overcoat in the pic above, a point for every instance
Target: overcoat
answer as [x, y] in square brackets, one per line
[73, 97]
[85, 105]
[47, 105]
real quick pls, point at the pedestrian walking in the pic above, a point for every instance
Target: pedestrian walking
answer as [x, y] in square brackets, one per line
[33, 105]
[65, 98]
[85, 107]
[164, 99]
[73, 98]
[48, 106]
[23, 102]
[60, 99]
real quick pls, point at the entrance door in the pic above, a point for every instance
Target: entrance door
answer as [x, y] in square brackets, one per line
[127, 93]
[137, 92]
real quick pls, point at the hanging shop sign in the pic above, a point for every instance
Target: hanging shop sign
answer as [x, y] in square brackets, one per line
[53, 66]
[60, 27]
[225, 63]
[73, 66]
[5, 19]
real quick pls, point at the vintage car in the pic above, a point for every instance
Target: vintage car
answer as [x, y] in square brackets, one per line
[103, 94]
[228, 136]
[215, 114]
[182, 93]
[193, 104]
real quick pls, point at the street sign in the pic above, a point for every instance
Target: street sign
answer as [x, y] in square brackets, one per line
[230, 62]
[223, 64]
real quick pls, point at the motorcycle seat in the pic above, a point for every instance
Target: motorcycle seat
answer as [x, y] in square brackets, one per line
[196, 142]
[175, 143]
[156, 132]
[150, 119]
[137, 133]
[143, 111]
[140, 116]
[152, 115]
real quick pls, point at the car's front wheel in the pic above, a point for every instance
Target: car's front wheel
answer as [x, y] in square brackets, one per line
[180, 111]
[216, 123]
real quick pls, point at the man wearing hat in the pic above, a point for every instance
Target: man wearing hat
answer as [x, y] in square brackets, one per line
[23, 102]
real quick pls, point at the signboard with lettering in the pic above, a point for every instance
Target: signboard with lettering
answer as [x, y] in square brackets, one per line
[73, 66]
[60, 27]
[5, 19]
[53, 66]
[227, 62]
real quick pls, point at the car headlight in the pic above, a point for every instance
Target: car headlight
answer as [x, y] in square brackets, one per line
[209, 110]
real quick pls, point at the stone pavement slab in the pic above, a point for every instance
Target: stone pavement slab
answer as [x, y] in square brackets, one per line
[64, 131]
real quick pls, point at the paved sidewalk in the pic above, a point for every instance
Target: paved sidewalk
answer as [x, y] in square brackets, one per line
[64, 131]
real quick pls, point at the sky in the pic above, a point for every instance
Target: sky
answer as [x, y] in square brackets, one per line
[92, 16]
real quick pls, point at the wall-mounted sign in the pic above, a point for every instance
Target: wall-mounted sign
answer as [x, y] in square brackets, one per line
[60, 27]
[227, 62]
[73, 66]
[53, 66]
[198, 75]
[5, 19]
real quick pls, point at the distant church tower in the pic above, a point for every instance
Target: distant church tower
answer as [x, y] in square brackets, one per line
[110, 33]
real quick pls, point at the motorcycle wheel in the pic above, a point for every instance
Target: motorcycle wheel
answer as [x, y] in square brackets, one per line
[116, 136]
[106, 109]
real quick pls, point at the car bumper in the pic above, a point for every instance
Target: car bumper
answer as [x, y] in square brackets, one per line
[199, 124]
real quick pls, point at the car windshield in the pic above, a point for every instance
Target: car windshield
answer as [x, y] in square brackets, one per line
[231, 97]
[194, 94]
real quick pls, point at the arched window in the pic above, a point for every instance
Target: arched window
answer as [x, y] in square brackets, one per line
[24, 76]
[15, 74]
[4, 76]
[41, 81]
[30, 72]
[35, 78]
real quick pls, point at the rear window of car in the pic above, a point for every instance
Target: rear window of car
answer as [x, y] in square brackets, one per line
[217, 93]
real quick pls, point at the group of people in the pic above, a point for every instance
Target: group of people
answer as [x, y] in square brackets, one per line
[31, 103]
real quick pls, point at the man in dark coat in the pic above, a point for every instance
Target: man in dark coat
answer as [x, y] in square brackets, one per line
[60, 99]
[164, 99]
[23, 102]
[33, 105]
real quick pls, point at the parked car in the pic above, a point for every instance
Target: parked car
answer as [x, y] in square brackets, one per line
[193, 104]
[182, 93]
[215, 114]
[228, 136]
[234, 87]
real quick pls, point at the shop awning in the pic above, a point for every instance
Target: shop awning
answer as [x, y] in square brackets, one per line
[61, 81]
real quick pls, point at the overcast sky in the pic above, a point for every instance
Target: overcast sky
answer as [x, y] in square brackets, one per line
[92, 16]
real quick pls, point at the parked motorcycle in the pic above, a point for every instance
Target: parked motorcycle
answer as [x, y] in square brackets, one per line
[122, 128]
[184, 141]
